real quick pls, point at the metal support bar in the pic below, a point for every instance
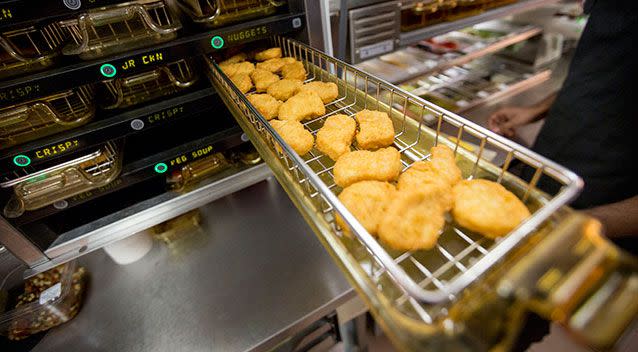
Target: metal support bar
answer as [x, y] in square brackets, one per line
[20, 246]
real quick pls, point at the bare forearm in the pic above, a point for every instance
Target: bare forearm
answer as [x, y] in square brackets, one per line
[542, 107]
[619, 218]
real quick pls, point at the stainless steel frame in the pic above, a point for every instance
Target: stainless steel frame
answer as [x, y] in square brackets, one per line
[313, 174]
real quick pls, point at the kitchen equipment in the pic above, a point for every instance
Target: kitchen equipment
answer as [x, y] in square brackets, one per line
[47, 115]
[29, 48]
[64, 180]
[149, 85]
[445, 298]
[213, 13]
[113, 29]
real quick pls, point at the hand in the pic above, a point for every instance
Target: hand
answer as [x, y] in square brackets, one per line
[506, 120]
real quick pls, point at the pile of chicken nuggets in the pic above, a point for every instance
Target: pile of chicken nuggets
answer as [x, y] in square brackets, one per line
[405, 209]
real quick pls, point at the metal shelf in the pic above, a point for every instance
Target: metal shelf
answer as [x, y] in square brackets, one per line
[399, 76]
[409, 38]
[80, 73]
[100, 131]
[141, 170]
[143, 215]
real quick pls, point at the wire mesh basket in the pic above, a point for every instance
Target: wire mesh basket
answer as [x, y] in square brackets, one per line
[109, 30]
[213, 13]
[29, 48]
[45, 116]
[427, 276]
[149, 85]
[67, 179]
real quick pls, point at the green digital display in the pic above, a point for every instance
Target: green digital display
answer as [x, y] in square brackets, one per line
[160, 168]
[21, 160]
[217, 42]
[108, 70]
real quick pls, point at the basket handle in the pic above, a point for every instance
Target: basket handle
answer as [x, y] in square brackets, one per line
[576, 277]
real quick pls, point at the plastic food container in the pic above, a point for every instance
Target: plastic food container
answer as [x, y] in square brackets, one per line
[149, 85]
[29, 48]
[213, 13]
[45, 116]
[44, 301]
[197, 170]
[52, 185]
[123, 27]
[418, 14]
[465, 8]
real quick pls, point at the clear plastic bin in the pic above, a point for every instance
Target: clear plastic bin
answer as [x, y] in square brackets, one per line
[119, 28]
[45, 116]
[48, 186]
[213, 13]
[418, 14]
[46, 300]
[149, 85]
[29, 48]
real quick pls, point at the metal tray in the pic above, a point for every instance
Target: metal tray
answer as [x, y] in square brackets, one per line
[162, 81]
[413, 139]
[417, 296]
[45, 116]
[213, 13]
[29, 48]
[109, 30]
[54, 184]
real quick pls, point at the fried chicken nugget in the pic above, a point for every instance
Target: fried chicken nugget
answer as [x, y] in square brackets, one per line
[336, 135]
[237, 68]
[367, 201]
[375, 129]
[360, 165]
[263, 79]
[487, 207]
[294, 70]
[265, 104]
[413, 220]
[284, 89]
[302, 106]
[242, 81]
[328, 91]
[268, 54]
[275, 65]
[293, 133]
[440, 169]
[234, 59]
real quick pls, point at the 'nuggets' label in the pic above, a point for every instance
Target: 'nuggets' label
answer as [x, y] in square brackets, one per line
[246, 34]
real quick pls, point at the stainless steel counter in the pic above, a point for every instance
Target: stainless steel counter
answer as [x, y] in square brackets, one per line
[255, 275]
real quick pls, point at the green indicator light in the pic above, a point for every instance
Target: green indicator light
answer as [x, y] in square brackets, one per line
[160, 168]
[217, 42]
[108, 70]
[21, 160]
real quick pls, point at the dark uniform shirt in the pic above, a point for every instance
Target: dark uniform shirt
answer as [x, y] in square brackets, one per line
[592, 128]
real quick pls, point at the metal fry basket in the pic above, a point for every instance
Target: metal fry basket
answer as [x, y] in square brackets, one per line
[45, 116]
[213, 13]
[162, 81]
[109, 30]
[67, 179]
[414, 293]
[29, 48]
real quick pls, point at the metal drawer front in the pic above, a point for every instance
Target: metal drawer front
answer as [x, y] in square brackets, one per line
[373, 30]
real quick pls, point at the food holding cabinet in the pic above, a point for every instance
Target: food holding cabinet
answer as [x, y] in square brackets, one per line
[134, 116]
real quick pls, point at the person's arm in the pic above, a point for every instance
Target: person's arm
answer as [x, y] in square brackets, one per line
[619, 218]
[505, 120]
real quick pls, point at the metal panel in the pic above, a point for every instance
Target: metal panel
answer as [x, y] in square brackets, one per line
[374, 30]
